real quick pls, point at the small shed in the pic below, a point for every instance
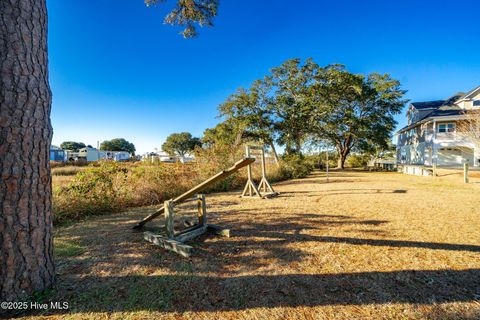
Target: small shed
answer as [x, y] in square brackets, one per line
[383, 164]
[57, 155]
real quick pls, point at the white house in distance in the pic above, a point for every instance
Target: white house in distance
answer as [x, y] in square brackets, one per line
[431, 137]
[92, 154]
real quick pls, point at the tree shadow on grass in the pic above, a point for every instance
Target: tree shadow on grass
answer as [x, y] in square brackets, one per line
[188, 292]
[333, 192]
[210, 281]
[316, 181]
[282, 231]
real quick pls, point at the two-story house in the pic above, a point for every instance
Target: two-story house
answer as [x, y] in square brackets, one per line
[431, 136]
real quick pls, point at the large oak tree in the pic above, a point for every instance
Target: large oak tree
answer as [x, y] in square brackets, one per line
[300, 101]
[26, 249]
[179, 144]
[354, 112]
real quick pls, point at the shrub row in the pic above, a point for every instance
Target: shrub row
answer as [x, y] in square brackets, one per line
[111, 186]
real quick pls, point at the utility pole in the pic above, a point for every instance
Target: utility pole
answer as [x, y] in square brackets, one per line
[327, 165]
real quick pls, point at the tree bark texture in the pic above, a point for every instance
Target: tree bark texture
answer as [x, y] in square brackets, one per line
[26, 248]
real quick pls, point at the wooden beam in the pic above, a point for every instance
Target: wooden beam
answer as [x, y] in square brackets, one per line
[169, 244]
[200, 187]
[191, 234]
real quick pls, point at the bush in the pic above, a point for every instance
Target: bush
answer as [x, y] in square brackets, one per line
[296, 166]
[106, 186]
[357, 160]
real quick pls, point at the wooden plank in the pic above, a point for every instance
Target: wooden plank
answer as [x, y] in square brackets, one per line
[200, 187]
[218, 230]
[191, 234]
[196, 226]
[169, 244]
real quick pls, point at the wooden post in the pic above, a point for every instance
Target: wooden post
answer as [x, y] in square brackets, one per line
[264, 185]
[250, 189]
[264, 169]
[202, 210]
[465, 172]
[169, 218]
[249, 167]
[434, 169]
[327, 165]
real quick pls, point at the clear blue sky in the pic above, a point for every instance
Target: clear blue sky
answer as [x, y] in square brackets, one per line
[117, 71]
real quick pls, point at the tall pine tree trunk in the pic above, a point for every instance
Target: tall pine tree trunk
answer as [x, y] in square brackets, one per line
[26, 252]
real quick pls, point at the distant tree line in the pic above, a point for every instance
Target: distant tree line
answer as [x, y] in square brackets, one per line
[117, 144]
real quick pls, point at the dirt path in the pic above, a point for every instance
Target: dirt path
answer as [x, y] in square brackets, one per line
[364, 245]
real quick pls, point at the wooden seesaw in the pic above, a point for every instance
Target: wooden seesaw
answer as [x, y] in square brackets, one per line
[174, 241]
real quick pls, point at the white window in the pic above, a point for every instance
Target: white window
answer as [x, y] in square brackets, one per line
[476, 103]
[446, 127]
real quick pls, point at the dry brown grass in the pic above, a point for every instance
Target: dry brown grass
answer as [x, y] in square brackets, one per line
[67, 170]
[61, 181]
[364, 246]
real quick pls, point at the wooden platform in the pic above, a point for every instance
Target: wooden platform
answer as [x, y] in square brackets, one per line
[175, 240]
[177, 243]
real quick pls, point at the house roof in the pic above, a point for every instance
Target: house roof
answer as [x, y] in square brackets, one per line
[439, 108]
[446, 112]
[469, 94]
[443, 111]
[427, 104]
[440, 103]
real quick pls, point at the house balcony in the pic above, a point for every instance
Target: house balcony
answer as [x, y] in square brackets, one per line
[452, 139]
[449, 136]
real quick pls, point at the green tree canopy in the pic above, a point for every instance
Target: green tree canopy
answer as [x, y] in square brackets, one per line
[355, 112]
[250, 111]
[188, 13]
[72, 145]
[291, 85]
[276, 108]
[118, 144]
[180, 143]
[225, 133]
[300, 101]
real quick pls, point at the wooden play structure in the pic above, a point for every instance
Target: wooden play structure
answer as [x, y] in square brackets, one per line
[264, 189]
[174, 240]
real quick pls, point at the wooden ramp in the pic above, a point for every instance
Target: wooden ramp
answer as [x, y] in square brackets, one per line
[197, 189]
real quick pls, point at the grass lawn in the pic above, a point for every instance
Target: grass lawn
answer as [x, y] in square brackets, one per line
[364, 245]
